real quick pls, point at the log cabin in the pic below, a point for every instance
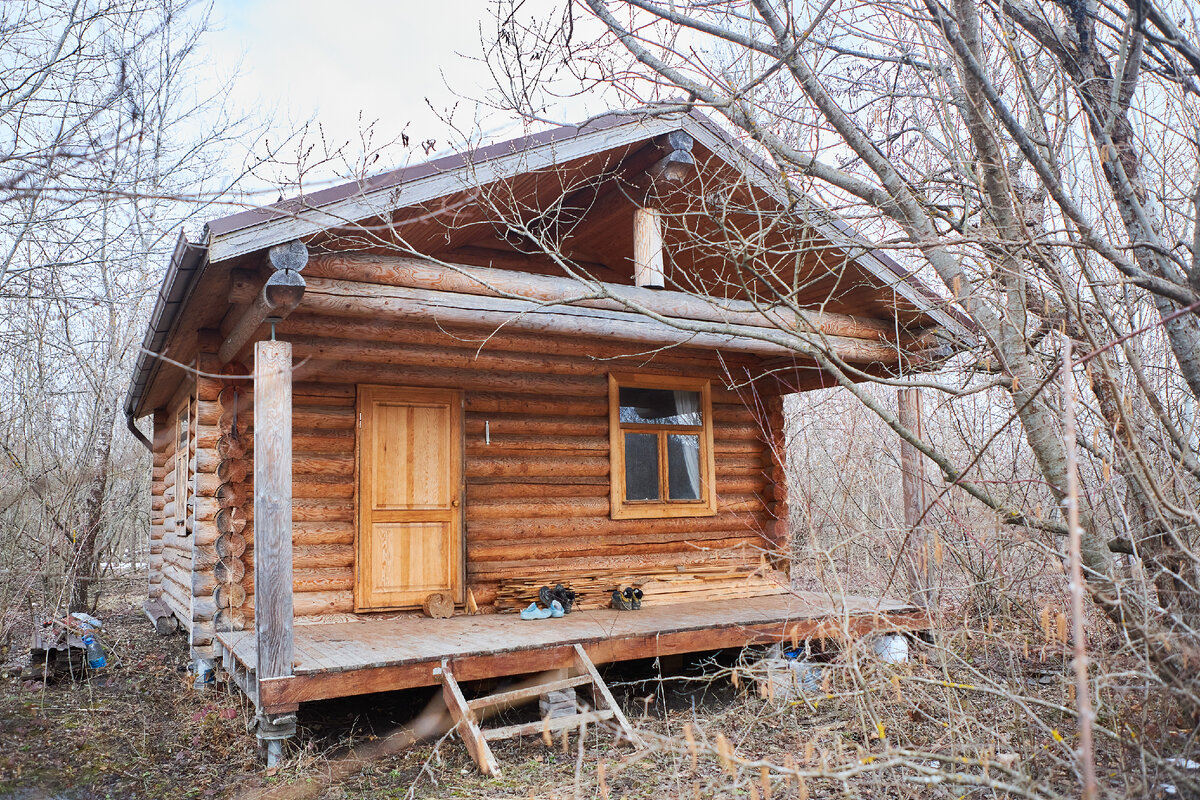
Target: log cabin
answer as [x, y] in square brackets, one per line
[384, 414]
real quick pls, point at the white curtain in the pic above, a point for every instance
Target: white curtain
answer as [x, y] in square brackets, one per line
[687, 404]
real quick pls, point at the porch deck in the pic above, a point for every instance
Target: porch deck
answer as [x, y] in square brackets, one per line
[378, 655]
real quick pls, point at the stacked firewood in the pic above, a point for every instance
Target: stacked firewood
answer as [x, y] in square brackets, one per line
[693, 583]
[233, 470]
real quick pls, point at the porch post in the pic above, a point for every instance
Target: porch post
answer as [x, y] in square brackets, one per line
[918, 559]
[273, 530]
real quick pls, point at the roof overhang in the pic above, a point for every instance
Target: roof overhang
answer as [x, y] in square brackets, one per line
[254, 230]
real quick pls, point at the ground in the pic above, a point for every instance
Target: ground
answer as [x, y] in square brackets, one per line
[137, 729]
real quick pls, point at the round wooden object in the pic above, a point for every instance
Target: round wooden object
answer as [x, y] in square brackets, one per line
[231, 520]
[231, 546]
[229, 495]
[229, 595]
[229, 571]
[233, 470]
[231, 447]
[438, 606]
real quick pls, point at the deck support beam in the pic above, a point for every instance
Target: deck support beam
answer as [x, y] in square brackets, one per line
[273, 529]
[917, 556]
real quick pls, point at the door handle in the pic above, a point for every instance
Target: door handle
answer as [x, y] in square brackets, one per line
[454, 502]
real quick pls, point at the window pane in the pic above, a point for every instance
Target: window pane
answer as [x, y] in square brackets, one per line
[641, 466]
[683, 466]
[660, 406]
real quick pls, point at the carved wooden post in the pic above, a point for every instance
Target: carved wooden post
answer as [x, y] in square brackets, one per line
[920, 566]
[273, 528]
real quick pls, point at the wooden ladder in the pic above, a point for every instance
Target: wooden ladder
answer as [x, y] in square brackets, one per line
[467, 714]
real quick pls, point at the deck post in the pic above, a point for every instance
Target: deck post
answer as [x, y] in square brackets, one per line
[273, 531]
[919, 565]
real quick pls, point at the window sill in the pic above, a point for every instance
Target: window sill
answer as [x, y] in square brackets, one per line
[662, 511]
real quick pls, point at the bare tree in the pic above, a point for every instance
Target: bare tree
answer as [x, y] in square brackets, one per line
[109, 146]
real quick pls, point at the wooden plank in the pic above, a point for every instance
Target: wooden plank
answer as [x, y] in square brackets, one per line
[549, 724]
[273, 509]
[468, 726]
[603, 694]
[501, 645]
[514, 697]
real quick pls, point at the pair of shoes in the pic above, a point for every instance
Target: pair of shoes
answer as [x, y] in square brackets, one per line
[565, 597]
[555, 609]
[628, 600]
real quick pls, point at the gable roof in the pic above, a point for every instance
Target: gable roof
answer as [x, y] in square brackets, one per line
[255, 229]
[246, 232]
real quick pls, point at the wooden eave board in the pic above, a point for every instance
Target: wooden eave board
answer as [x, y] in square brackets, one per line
[371, 643]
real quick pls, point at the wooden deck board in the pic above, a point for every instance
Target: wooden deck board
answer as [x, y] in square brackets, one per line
[371, 654]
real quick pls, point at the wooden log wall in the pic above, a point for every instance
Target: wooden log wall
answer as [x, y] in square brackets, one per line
[235, 488]
[162, 453]
[537, 494]
[204, 531]
[176, 549]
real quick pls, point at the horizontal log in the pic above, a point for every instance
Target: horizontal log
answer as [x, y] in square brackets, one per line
[308, 604]
[534, 443]
[322, 533]
[307, 510]
[538, 480]
[624, 355]
[207, 412]
[476, 424]
[522, 568]
[604, 546]
[334, 488]
[207, 460]
[316, 440]
[357, 298]
[477, 493]
[491, 402]
[416, 274]
[457, 358]
[328, 464]
[204, 556]
[322, 416]
[533, 528]
[340, 394]
[540, 507]
[317, 369]
[548, 467]
[318, 579]
[322, 555]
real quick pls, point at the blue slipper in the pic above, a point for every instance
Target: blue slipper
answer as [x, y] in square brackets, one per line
[556, 609]
[533, 612]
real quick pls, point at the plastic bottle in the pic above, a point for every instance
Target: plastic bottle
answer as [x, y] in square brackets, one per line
[95, 653]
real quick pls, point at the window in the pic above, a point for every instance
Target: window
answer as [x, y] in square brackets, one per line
[660, 431]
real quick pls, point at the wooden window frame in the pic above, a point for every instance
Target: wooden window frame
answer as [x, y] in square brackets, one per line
[619, 507]
[184, 491]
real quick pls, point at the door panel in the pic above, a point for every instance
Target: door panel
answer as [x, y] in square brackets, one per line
[409, 502]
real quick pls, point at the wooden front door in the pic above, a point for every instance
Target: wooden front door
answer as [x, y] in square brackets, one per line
[409, 496]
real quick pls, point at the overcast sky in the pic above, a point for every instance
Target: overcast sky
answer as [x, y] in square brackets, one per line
[345, 63]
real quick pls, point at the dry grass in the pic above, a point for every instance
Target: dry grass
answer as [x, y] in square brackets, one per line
[986, 711]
